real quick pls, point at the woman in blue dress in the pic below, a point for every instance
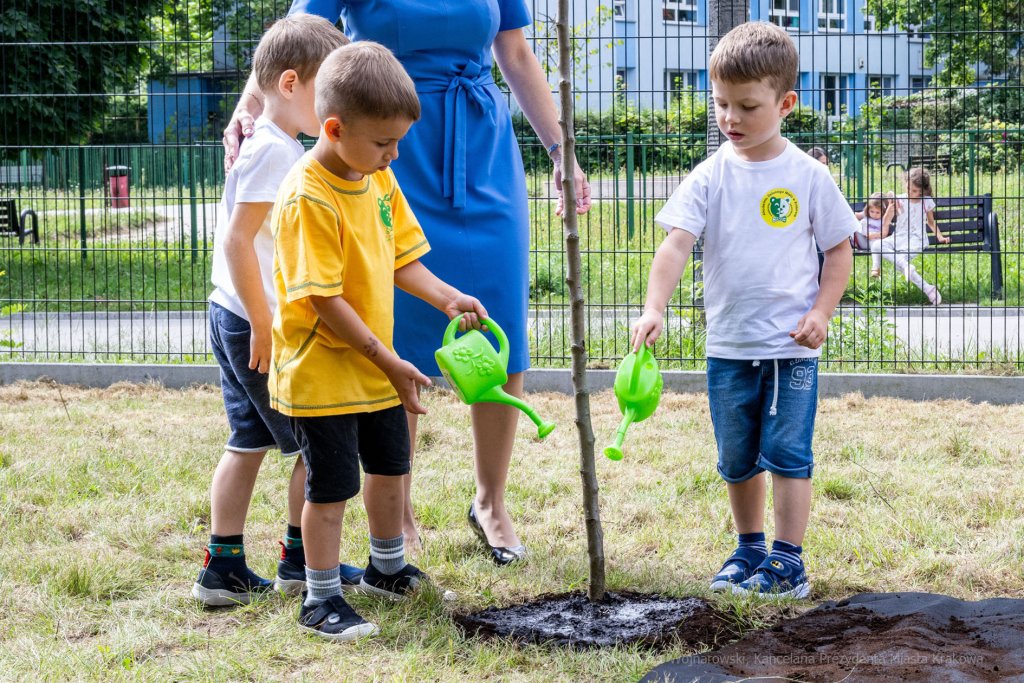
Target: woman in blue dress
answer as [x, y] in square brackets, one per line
[462, 172]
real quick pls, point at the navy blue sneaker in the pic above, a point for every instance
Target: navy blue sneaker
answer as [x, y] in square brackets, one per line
[774, 579]
[291, 580]
[737, 569]
[229, 587]
[335, 620]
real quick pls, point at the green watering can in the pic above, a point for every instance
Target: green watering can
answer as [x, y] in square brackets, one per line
[638, 388]
[477, 372]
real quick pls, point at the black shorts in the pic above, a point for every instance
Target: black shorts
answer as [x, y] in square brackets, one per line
[334, 445]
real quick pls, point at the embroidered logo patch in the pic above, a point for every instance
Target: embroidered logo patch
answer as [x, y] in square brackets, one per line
[779, 208]
[384, 204]
[776, 564]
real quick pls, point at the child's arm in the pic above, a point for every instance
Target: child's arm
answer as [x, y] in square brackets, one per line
[887, 219]
[666, 271]
[343, 320]
[244, 269]
[813, 327]
[935, 228]
[417, 280]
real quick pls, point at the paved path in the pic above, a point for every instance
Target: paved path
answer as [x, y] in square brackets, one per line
[960, 333]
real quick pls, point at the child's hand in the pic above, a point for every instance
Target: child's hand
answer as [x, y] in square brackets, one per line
[646, 330]
[470, 308]
[942, 238]
[811, 330]
[406, 379]
[874, 235]
[261, 349]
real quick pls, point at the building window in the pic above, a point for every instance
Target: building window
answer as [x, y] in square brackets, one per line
[621, 84]
[919, 83]
[678, 82]
[619, 9]
[831, 15]
[834, 93]
[881, 86]
[679, 11]
[785, 13]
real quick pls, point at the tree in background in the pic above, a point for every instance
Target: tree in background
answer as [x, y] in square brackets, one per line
[968, 37]
[79, 70]
[62, 61]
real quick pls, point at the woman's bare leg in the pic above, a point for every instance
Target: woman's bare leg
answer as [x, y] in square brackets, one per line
[494, 432]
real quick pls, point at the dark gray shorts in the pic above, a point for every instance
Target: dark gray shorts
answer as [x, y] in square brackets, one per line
[333, 446]
[255, 426]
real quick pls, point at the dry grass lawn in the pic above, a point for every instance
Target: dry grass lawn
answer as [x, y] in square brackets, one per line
[104, 513]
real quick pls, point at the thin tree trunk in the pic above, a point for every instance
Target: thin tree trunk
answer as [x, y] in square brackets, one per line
[588, 473]
[723, 16]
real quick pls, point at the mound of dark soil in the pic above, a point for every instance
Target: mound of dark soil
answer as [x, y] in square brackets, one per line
[569, 619]
[873, 637]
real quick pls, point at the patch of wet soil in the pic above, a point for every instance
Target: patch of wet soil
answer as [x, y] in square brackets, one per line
[843, 641]
[570, 619]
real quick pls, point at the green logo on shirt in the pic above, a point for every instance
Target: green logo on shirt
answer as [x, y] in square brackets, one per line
[384, 203]
[779, 208]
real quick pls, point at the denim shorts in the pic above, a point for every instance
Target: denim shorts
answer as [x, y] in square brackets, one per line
[334, 445]
[763, 415]
[255, 426]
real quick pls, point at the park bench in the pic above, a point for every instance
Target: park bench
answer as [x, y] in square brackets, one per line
[971, 225]
[11, 223]
[933, 162]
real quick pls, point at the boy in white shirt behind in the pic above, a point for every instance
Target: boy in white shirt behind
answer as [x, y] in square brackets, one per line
[242, 313]
[761, 204]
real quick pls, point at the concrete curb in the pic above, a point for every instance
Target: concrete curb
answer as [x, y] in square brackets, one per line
[975, 388]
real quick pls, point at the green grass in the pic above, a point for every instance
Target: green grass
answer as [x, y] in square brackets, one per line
[105, 514]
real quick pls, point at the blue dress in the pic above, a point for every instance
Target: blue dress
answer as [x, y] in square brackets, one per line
[459, 166]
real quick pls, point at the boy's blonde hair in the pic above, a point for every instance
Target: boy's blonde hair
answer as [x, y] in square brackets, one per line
[364, 80]
[301, 43]
[756, 51]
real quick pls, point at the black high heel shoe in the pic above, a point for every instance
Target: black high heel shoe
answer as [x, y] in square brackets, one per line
[501, 556]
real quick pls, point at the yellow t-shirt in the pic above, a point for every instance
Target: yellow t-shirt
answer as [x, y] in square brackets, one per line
[336, 237]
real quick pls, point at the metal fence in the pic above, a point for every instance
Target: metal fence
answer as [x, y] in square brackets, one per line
[136, 101]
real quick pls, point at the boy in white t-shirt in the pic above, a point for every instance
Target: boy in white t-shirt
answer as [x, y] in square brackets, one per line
[761, 204]
[242, 313]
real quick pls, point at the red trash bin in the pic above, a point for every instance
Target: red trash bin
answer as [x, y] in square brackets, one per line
[118, 178]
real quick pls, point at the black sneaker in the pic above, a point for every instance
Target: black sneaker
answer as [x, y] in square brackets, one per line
[233, 587]
[335, 620]
[291, 580]
[398, 586]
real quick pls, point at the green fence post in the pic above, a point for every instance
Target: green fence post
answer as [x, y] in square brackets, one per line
[192, 202]
[970, 162]
[81, 197]
[858, 160]
[629, 185]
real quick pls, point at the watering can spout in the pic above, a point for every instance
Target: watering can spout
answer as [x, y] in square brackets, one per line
[614, 452]
[497, 395]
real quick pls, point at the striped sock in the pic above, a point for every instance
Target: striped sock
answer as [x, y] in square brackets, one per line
[787, 552]
[754, 542]
[321, 585]
[388, 554]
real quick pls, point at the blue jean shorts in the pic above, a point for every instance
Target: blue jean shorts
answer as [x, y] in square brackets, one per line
[255, 426]
[763, 415]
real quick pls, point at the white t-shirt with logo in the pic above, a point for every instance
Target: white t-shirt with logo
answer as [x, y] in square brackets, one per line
[911, 224]
[263, 161]
[760, 222]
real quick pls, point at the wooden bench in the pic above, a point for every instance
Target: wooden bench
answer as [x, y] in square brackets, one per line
[933, 162]
[11, 223]
[971, 225]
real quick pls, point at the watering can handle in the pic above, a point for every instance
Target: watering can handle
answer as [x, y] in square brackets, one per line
[638, 361]
[453, 326]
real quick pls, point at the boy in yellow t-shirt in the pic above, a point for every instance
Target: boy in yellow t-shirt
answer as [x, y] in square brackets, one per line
[344, 237]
